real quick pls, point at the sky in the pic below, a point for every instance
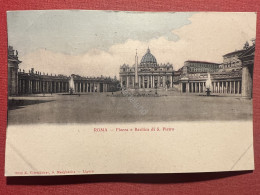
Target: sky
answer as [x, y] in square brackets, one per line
[94, 43]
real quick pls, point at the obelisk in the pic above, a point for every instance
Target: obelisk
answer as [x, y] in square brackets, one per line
[136, 71]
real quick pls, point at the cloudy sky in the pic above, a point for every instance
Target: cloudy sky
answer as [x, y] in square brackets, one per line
[94, 43]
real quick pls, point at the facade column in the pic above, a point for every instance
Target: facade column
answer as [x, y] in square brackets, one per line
[127, 81]
[238, 88]
[143, 82]
[226, 88]
[148, 81]
[153, 81]
[234, 87]
[121, 81]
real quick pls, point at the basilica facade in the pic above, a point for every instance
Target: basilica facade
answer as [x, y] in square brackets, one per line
[146, 74]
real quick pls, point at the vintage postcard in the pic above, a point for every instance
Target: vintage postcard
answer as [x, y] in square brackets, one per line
[106, 92]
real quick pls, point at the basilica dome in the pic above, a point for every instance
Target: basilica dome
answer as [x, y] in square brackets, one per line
[148, 58]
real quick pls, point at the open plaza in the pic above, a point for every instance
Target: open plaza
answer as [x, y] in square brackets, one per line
[108, 108]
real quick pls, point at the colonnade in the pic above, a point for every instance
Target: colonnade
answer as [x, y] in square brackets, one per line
[86, 86]
[225, 87]
[27, 86]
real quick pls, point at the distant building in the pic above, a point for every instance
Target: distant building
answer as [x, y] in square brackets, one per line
[13, 66]
[232, 61]
[234, 76]
[147, 74]
[199, 67]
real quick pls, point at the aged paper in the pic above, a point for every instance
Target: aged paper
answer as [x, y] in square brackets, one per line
[104, 92]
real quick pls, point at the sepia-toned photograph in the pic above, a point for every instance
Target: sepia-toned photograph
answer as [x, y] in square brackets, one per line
[99, 92]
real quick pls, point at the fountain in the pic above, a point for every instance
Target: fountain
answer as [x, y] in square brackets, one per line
[71, 86]
[208, 85]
